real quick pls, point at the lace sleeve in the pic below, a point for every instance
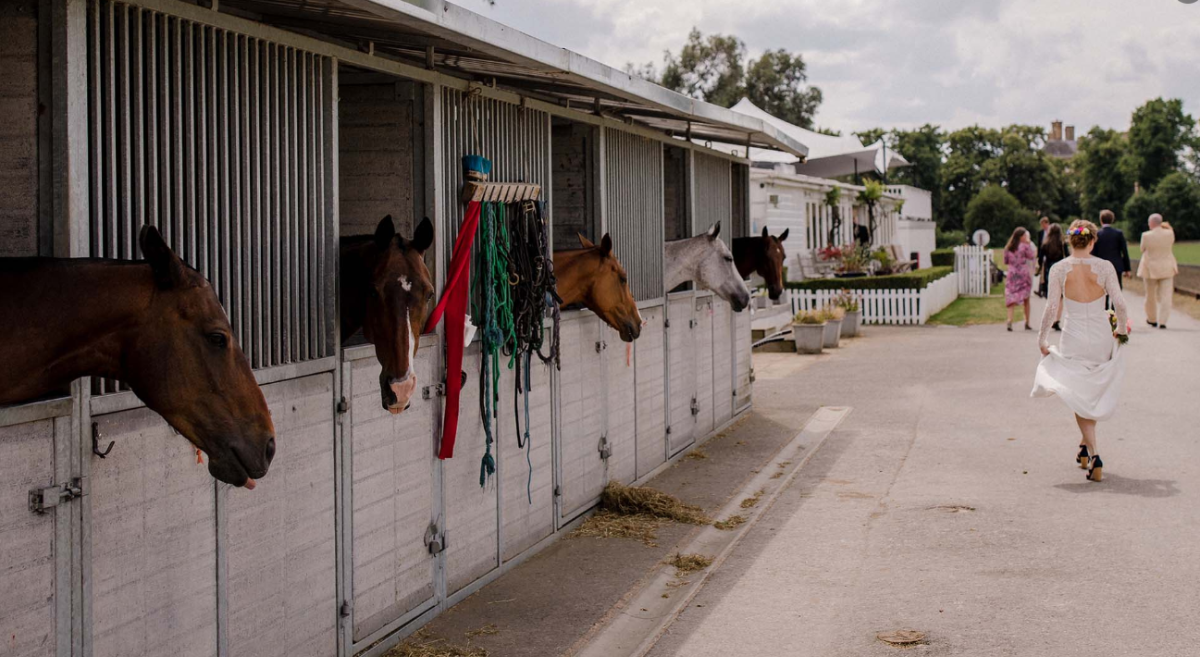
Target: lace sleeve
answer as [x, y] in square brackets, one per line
[1107, 277]
[1054, 295]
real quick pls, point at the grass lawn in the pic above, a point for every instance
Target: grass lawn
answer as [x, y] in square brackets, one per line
[967, 311]
[1187, 253]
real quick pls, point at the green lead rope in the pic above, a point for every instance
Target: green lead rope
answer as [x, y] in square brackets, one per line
[492, 310]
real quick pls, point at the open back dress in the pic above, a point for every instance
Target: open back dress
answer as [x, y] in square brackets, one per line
[1085, 370]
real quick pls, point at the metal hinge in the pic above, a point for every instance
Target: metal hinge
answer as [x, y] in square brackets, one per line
[604, 449]
[695, 407]
[558, 491]
[343, 406]
[437, 390]
[752, 375]
[41, 499]
[435, 539]
[346, 608]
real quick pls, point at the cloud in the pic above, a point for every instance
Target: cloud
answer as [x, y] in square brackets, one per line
[948, 62]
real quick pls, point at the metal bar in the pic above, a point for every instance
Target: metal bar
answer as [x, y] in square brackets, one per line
[153, 174]
[254, 250]
[277, 234]
[185, 81]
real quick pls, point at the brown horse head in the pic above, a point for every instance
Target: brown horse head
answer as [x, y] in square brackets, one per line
[386, 290]
[187, 366]
[763, 256]
[594, 277]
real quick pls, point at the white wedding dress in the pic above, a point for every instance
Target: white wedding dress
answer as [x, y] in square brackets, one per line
[1085, 370]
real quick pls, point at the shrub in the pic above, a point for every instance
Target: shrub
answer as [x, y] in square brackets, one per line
[815, 316]
[906, 281]
[942, 258]
[948, 239]
[1176, 198]
[998, 212]
[846, 301]
[834, 313]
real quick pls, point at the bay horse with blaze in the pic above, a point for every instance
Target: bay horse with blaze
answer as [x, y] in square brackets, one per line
[385, 290]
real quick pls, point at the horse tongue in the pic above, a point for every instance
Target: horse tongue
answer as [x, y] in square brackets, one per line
[249, 485]
[403, 392]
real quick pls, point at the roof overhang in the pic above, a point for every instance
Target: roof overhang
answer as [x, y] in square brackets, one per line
[455, 41]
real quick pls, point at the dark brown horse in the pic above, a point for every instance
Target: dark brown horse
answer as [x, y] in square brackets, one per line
[385, 291]
[155, 325]
[593, 276]
[763, 256]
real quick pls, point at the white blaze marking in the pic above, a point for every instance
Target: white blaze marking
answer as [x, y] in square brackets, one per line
[412, 342]
[405, 283]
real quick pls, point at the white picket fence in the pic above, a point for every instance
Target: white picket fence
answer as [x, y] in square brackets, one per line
[911, 306]
[973, 264]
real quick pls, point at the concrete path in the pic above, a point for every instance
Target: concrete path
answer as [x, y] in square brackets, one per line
[949, 502]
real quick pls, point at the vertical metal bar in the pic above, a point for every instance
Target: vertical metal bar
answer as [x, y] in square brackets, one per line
[95, 133]
[254, 192]
[178, 200]
[235, 221]
[185, 82]
[245, 217]
[296, 298]
[148, 100]
[323, 214]
[277, 235]
[137, 134]
[222, 97]
[302, 158]
[332, 220]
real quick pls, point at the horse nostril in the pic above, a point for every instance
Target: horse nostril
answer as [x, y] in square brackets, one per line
[270, 450]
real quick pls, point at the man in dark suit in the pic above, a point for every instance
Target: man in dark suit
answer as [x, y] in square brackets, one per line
[1043, 231]
[1111, 246]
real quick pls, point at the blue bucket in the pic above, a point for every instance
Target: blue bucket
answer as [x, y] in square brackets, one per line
[477, 163]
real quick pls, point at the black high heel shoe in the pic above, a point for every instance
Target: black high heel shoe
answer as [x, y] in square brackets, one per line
[1082, 457]
[1095, 469]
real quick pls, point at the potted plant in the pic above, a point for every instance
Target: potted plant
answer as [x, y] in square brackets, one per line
[853, 262]
[885, 262]
[833, 326]
[852, 322]
[808, 331]
[869, 196]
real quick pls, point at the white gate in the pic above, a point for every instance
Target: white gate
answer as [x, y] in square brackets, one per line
[974, 267]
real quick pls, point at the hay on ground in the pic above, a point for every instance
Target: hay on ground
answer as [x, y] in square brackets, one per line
[637, 500]
[687, 563]
[423, 644]
[729, 523]
[606, 524]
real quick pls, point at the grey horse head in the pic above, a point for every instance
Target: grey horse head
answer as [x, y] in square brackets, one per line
[707, 261]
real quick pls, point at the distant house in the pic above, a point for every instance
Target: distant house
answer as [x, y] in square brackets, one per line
[1059, 145]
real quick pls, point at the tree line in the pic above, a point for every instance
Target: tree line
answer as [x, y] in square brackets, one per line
[1000, 178]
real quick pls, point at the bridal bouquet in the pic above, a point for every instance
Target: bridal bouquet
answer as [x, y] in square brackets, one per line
[1112, 320]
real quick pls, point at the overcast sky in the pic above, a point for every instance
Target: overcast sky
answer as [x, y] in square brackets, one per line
[908, 62]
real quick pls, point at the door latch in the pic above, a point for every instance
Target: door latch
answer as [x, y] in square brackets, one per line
[435, 539]
[437, 390]
[601, 345]
[343, 406]
[604, 449]
[43, 499]
[695, 406]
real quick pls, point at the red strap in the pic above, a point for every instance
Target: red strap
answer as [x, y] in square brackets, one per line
[454, 304]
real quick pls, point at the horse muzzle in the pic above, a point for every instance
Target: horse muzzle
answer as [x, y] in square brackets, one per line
[396, 392]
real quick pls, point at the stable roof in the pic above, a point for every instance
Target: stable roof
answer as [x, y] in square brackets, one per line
[455, 41]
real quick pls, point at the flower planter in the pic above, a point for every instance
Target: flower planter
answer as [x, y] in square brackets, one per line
[809, 338]
[833, 333]
[851, 324]
[851, 274]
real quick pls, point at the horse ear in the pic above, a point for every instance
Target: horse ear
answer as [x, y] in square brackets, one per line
[385, 231]
[783, 235]
[423, 238]
[167, 267]
[605, 245]
[714, 230]
[765, 233]
[587, 244]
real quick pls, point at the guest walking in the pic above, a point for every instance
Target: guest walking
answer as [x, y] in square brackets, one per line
[1043, 232]
[1052, 251]
[1019, 256]
[1157, 270]
[1111, 246]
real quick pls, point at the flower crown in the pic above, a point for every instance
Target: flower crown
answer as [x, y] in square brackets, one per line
[1080, 231]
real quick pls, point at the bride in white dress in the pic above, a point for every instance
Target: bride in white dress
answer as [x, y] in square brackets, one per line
[1085, 370]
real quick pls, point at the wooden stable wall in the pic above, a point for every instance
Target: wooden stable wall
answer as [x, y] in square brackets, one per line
[20, 233]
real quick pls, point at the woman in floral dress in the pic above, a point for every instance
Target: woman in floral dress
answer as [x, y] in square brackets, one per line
[1018, 255]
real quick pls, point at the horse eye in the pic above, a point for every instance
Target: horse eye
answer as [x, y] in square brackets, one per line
[728, 258]
[218, 339]
[373, 292]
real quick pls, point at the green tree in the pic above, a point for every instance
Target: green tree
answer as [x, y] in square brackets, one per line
[714, 68]
[1159, 132]
[708, 67]
[872, 135]
[998, 212]
[1069, 187]
[1019, 165]
[1103, 181]
[777, 82]
[968, 150]
[1176, 198]
[869, 196]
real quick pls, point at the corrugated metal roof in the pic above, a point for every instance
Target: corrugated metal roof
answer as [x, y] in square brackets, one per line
[467, 45]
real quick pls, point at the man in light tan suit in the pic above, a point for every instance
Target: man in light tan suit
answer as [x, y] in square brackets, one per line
[1157, 269]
